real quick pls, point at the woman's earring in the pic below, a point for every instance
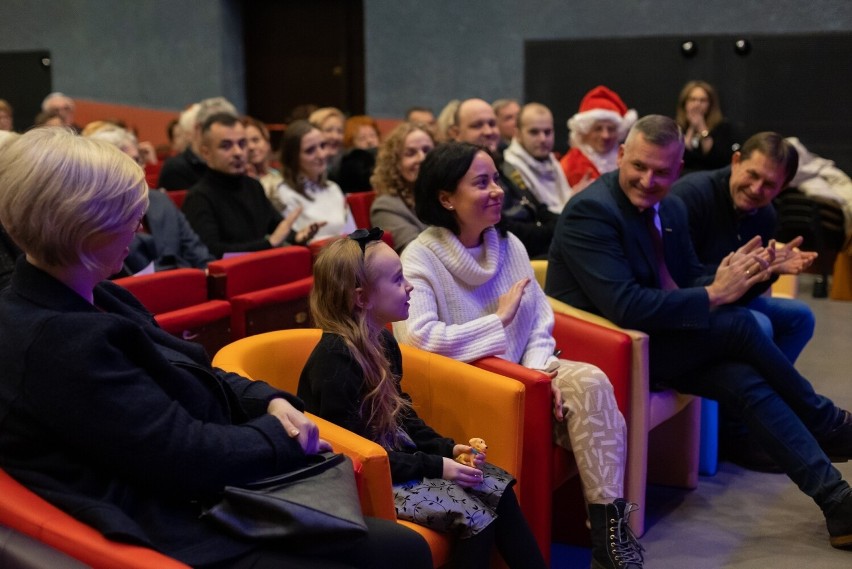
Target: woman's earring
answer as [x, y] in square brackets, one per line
[450, 207]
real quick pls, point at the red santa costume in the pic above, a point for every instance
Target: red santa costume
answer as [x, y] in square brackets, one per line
[582, 160]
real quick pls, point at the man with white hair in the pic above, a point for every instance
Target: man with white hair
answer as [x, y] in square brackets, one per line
[62, 105]
[183, 171]
[529, 159]
[596, 131]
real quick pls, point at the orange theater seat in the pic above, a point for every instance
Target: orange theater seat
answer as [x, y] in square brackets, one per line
[268, 290]
[178, 300]
[27, 513]
[456, 399]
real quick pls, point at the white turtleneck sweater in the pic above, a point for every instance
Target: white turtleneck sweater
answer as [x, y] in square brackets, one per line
[455, 296]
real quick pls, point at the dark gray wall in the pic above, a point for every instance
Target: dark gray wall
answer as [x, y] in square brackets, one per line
[168, 53]
[151, 53]
[430, 52]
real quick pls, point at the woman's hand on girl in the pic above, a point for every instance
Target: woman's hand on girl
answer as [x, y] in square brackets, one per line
[461, 474]
[508, 303]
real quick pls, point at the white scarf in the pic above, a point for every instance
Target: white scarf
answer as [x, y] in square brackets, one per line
[603, 162]
[544, 178]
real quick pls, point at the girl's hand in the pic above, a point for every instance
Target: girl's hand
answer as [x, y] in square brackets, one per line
[478, 458]
[461, 474]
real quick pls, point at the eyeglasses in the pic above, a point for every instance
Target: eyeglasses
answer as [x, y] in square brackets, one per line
[364, 236]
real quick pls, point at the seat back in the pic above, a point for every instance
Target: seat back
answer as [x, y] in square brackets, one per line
[178, 300]
[166, 291]
[258, 270]
[268, 290]
[359, 204]
[24, 511]
[177, 197]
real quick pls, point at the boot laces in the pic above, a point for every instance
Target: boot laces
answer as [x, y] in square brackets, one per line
[625, 547]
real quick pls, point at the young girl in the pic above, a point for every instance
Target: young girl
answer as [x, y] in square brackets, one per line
[353, 379]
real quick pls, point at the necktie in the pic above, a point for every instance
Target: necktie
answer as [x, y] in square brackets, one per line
[666, 280]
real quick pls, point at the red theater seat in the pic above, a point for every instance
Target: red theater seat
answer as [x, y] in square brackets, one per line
[178, 300]
[268, 290]
[359, 203]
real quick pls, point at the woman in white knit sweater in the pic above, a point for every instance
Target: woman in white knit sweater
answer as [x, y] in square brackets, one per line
[475, 295]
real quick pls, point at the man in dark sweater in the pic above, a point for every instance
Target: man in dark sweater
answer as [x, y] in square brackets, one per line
[182, 171]
[730, 206]
[228, 209]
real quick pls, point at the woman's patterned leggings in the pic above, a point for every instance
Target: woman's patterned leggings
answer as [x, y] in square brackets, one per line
[593, 429]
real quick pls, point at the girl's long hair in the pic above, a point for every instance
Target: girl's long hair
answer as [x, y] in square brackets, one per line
[338, 271]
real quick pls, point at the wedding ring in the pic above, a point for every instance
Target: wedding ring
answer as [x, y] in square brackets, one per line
[747, 273]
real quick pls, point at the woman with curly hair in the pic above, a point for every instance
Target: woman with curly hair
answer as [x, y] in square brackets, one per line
[397, 166]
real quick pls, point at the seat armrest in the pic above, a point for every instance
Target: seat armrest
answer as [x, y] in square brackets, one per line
[375, 488]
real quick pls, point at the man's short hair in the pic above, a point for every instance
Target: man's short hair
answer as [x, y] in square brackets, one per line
[530, 108]
[416, 110]
[224, 119]
[499, 104]
[775, 148]
[658, 130]
[214, 106]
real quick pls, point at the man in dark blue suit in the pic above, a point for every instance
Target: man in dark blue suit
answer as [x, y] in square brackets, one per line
[622, 249]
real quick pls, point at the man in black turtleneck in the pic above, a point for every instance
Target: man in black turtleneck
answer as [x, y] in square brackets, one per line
[228, 209]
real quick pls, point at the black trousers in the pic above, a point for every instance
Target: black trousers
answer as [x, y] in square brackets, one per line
[387, 545]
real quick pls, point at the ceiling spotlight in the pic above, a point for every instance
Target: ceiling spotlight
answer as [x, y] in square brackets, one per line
[742, 47]
[688, 49]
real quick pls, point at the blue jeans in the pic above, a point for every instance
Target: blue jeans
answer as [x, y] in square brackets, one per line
[789, 322]
[735, 363]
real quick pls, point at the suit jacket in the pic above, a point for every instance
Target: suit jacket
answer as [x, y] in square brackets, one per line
[171, 243]
[122, 425]
[602, 260]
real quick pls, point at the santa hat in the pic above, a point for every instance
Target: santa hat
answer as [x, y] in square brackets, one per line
[602, 103]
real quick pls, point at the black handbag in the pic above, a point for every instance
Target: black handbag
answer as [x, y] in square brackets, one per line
[320, 499]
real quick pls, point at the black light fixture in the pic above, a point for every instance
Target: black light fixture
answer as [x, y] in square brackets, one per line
[742, 47]
[688, 49]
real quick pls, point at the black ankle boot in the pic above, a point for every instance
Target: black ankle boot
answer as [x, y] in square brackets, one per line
[839, 523]
[613, 544]
[837, 444]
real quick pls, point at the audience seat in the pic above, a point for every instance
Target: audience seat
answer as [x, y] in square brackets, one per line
[152, 174]
[179, 302]
[548, 467]
[177, 197]
[27, 513]
[268, 290]
[19, 551]
[663, 427]
[320, 244]
[359, 203]
[457, 400]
